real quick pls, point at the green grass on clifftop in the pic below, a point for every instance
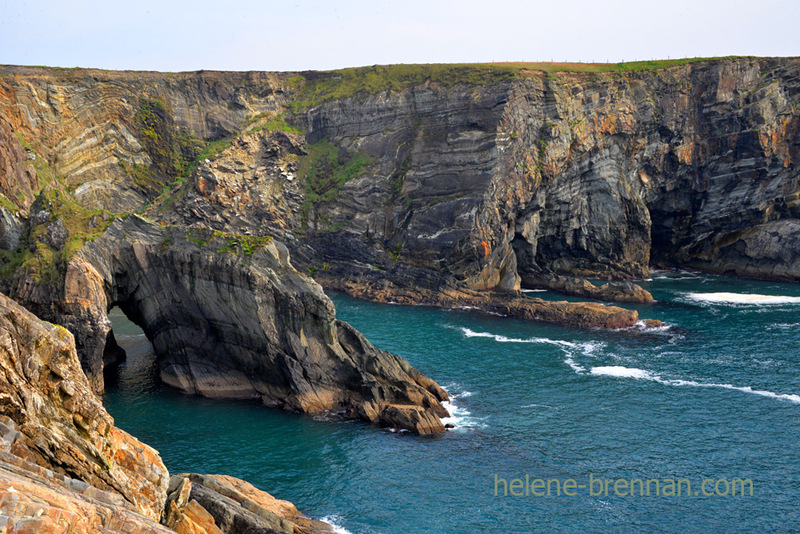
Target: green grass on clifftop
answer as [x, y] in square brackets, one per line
[316, 87]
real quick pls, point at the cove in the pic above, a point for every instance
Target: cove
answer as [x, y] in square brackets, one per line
[713, 395]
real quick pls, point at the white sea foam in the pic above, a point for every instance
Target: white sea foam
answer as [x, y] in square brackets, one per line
[632, 372]
[460, 417]
[334, 521]
[642, 325]
[533, 290]
[619, 371]
[742, 298]
[575, 366]
[503, 339]
[784, 326]
[746, 389]
[569, 348]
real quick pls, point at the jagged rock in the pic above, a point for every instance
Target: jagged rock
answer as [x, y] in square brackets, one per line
[58, 423]
[228, 317]
[57, 235]
[611, 292]
[39, 501]
[240, 508]
[64, 467]
[186, 516]
[18, 179]
[411, 417]
[10, 230]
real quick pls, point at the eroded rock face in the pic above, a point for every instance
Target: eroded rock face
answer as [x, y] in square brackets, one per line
[239, 508]
[568, 173]
[18, 179]
[35, 500]
[83, 122]
[480, 184]
[229, 317]
[55, 421]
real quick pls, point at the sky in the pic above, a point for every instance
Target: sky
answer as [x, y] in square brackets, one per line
[292, 35]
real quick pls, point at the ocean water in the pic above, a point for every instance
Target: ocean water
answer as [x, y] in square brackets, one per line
[715, 395]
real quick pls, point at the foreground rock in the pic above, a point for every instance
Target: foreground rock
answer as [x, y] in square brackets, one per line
[64, 468]
[236, 506]
[55, 421]
[627, 292]
[36, 500]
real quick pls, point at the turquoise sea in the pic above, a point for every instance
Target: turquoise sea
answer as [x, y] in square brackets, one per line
[714, 396]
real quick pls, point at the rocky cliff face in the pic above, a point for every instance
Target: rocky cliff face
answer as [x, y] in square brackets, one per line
[109, 135]
[508, 181]
[416, 183]
[52, 419]
[229, 317]
[587, 174]
[65, 467]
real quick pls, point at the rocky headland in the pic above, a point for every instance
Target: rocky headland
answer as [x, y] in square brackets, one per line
[181, 197]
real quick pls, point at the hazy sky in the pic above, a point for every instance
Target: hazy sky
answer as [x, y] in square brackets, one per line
[307, 34]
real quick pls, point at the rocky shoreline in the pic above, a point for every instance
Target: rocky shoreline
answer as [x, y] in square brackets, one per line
[65, 467]
[508, 303]
[181, 197]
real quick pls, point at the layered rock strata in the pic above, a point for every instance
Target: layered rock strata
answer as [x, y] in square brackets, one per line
[229, 317]
[52, 418]
[237, 507]
[65, 468]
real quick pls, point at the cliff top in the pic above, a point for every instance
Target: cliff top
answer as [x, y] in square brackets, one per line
[500, 67]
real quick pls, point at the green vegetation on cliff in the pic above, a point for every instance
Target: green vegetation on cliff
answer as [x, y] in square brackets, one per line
[316, 87]
[171, 149]
[57, 229]
[325, 170]
[224, 242]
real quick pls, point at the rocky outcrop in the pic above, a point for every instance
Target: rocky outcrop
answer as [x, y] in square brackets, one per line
[579, 287]
[509, 303]
[237, 507]
[52, 419]
[35, 499]
[229, 317]
[185, 515]
[65, 468]
[10, 230]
